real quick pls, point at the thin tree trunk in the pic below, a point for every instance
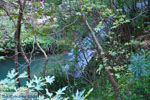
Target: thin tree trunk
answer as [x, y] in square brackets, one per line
[100, 49]
[26, 60]
[16, 43]
[16, 61]
[17, 36]
[46, 57]
[42, 50]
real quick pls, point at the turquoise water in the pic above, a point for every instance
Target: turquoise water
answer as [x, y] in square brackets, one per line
[8, 64]
[36, 65]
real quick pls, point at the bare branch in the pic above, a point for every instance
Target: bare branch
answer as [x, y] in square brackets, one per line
[100, 49]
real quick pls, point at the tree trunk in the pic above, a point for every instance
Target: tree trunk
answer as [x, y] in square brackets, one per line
[100, 49]
[46, 57]
[16, 61]
[17, 36]
[42, 50]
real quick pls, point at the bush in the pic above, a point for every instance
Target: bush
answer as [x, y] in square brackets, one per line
[38, 85]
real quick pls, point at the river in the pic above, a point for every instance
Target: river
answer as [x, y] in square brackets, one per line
[36, 65]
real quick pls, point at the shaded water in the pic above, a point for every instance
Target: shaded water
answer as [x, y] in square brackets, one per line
[36, 64]
[63, 61]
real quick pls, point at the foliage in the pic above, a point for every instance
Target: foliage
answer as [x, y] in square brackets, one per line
[59, 28]
[38, 84]
[135, 82]
[140, 63]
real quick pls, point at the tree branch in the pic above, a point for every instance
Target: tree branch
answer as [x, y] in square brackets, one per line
[100, 49]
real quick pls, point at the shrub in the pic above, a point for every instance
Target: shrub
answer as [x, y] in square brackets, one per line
[38, 85]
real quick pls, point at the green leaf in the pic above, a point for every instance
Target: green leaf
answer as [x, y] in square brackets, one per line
[113, 27]
[2, 58]
[49, 79]
[23, 75]
[117, 75]
[100, 68]
[12, 74]
[30, 84]
[127, 21]
[2, 50]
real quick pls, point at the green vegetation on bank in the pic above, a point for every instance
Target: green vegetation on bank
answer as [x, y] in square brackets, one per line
[107, 43]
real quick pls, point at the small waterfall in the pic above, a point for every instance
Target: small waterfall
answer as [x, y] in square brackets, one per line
[84, 56]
